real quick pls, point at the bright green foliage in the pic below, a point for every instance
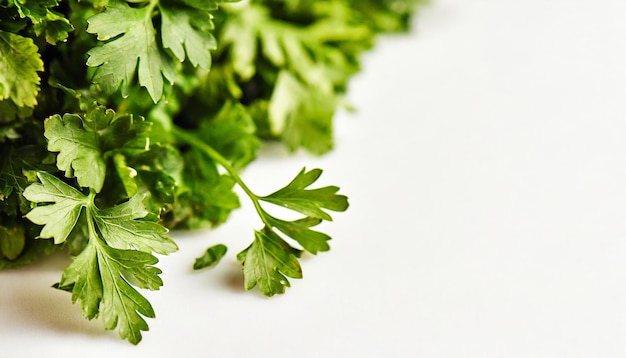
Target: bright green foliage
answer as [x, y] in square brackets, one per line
[118, 252]
[45, 20]
[310, 202]
[206, 197]
[131, 48]
[60, 217]
[19, 64]
[269, 260]
[119, 225]
[131, 43]
[120, 119]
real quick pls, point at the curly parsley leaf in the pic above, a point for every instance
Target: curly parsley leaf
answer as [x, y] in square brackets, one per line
[19, 64]
[102, 275]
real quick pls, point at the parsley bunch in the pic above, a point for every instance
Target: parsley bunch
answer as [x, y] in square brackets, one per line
[122, 119]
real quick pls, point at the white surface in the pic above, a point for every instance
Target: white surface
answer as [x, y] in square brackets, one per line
[486, 170]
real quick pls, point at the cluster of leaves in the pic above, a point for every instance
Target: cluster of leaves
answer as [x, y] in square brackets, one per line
[122, 119]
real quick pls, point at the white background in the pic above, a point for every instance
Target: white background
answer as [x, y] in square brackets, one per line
[486, 170]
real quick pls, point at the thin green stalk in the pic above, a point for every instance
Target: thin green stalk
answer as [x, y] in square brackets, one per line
[190, 139]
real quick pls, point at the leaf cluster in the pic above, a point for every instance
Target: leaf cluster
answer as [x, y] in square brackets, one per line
[120, 120]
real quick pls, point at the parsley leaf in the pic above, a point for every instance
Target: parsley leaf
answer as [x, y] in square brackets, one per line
[310, 202]
[60, 217]
[119, 225]
[211, 257]
[100, 276]
[186, 29]
[131, 45]
[45, 20]
[85, 144]
[267, 263]
[19, 64]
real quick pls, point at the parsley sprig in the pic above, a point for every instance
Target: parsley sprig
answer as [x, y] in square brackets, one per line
[269, 258]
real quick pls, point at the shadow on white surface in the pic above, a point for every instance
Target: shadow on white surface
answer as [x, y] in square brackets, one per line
[39, 309]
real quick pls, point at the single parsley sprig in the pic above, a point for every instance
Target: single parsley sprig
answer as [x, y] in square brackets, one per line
[270, 258]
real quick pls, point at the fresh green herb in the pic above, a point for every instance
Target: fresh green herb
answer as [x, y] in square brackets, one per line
[122, 119]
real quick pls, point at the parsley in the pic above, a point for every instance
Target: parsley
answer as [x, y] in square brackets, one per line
[120, 120]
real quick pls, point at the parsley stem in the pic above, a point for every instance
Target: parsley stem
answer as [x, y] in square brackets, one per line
[188, 138]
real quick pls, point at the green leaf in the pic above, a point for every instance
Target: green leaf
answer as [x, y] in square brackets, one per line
[130, 48]
[211, 257]
[96, 280]
[126, 174]
[19, 64]
[59, 217]
[267, 263]
[45, 19]
[85, 144]
[15, 168]
[120, 229]
[300, 230]
[310, 202]
[100, 277]
[186, 30]
[79, 150]
[82, 279]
